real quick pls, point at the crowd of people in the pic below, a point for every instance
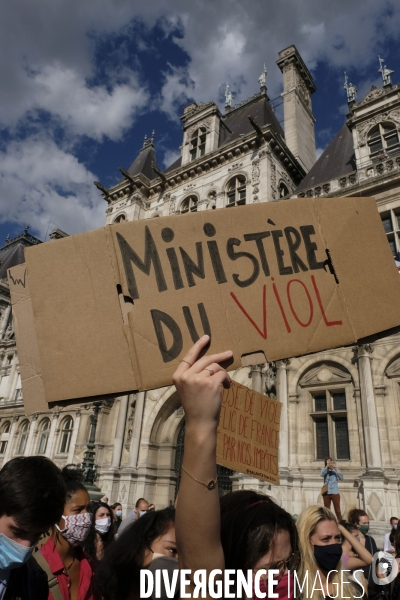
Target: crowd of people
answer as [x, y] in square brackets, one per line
[55, 544]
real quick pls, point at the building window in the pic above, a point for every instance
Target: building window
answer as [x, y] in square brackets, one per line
[236, 191]
[387, 223]
[66, 434]
[44, 432]
[120, 219]
[329, 414]
[5, 433]
[283, 190]
[198, 143]
[23, 437]
[189, 204]
[382, 140]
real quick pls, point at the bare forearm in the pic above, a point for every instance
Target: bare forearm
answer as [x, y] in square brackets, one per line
[198, 516]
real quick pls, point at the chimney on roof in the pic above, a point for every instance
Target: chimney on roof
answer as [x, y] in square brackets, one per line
[298, 85]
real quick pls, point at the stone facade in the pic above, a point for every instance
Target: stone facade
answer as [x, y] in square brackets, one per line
[345, 402]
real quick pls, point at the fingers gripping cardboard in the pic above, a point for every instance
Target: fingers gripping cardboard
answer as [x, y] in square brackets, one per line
[115, 309]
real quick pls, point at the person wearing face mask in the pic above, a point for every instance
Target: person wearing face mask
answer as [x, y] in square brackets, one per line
[141, 508]
[117, 512]
[62, 554]
[360, 519]
[387, 544]
[244, 530]
[321, 544]
[149, 542]
[32, 494]
[101, 532]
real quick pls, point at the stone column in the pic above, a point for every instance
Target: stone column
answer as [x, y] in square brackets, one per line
[74, 437]
[373, 456]
[137, 429]
[50, 441]
[120, 431]
[256, 373]
[4, 323]
[11, 437]
[31, 435]
[282, 397]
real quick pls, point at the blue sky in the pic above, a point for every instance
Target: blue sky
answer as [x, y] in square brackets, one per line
[83, 82]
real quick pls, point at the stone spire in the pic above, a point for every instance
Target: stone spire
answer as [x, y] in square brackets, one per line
[386, 73]
[350, 89]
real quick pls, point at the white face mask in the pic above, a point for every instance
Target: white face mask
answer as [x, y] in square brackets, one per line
[103, 525]
[76, 528]
[118, 513]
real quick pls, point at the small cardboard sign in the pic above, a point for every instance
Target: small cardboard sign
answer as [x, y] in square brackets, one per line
[115, 309]
[248, 433]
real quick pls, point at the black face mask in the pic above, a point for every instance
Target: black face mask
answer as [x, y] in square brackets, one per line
[328, 557]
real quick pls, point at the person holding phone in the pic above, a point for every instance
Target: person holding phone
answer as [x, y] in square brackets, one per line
[331, 477]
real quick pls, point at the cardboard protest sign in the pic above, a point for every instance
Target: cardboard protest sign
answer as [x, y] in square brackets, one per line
[115, 309]
[248, 433]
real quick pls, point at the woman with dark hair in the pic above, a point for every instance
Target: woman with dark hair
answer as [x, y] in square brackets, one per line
[101, 532]
[151, 536]
[360, 520]
[64, 558]
[117, 512]
[245, 530]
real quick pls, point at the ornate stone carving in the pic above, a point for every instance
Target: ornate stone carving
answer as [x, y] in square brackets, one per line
[235, 166]
[171, 206]
[274, 190]
[325, 373]
[376, 93]
[327, 188]
[343, 182]
[206, 123]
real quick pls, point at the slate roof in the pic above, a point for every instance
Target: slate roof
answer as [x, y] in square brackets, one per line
[337, 159]
[12, 253]
[142, 163]
[237, 121]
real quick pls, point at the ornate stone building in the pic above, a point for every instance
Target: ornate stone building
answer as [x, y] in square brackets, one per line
[344, 402]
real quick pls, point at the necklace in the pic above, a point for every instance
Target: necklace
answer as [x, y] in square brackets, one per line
[70, 565]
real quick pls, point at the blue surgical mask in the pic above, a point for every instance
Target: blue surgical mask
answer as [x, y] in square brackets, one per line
[395, 526]
[13, 554]
[118, 513]
[142, 512]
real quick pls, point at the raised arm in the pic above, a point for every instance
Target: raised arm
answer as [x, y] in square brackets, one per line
[364, 557]
[338, 475]
[324, 472]
[199, 382]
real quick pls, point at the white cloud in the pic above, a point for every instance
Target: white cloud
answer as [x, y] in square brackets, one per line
[39, 181]
[319, 151]
[170, 156]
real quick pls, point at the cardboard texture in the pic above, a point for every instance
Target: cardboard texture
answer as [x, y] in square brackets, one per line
[115, 309]
[248, 433]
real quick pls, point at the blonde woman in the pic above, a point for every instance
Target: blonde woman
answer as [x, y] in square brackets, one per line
[321, 545]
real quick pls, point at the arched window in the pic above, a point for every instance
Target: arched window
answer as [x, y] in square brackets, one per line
[198, 143]
[5, 433]
[283, 190]
[120, 219]
[66, 434]
[189, 204]
[44, 432]
[236, 191]
[383, 139]
[23, 437]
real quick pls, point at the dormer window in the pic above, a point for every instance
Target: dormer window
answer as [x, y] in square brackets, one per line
[383, 140]
[189, 204]
[198, 143]
[236, 191]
